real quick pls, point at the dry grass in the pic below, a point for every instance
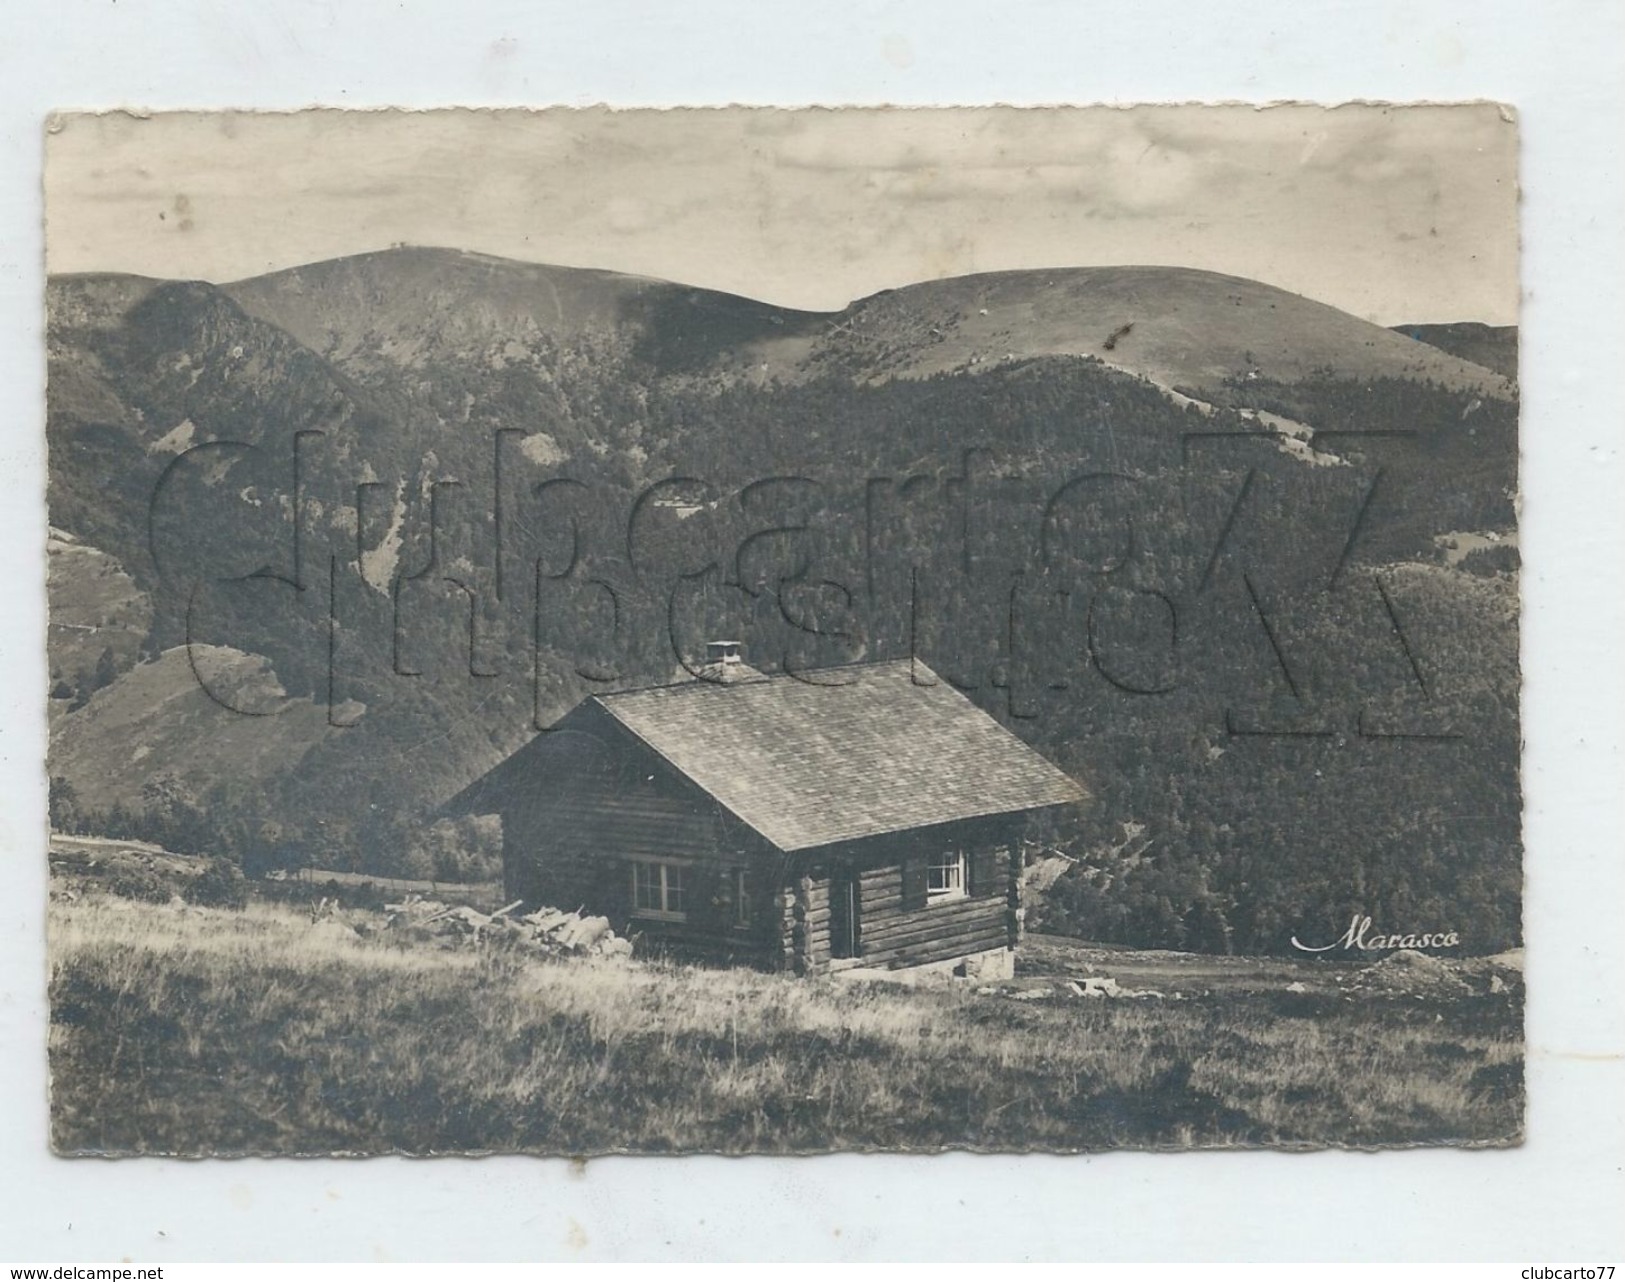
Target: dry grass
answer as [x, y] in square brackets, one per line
[199, 1030]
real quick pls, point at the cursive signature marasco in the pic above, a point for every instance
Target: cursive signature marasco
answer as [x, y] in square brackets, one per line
[1356, 937]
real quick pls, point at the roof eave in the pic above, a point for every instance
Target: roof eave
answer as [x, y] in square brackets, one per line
[1081, 797]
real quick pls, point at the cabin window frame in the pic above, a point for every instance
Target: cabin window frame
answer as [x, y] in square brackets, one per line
[740, 916]
[953, 883]
[667, 883]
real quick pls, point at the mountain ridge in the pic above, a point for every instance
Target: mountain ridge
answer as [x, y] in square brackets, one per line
[1492, 346]
[383, 310]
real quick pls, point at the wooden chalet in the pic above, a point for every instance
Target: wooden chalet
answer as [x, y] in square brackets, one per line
[867, 815]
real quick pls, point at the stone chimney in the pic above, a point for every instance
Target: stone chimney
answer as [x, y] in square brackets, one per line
[724, 652]
[725, 661]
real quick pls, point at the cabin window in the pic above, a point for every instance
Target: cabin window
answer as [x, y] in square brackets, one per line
[741, 898]
[657, 890]
[946, 876]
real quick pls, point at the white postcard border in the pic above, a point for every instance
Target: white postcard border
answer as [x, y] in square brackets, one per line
[1556, 1198]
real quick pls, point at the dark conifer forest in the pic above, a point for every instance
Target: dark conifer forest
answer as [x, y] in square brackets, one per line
[1268, 618]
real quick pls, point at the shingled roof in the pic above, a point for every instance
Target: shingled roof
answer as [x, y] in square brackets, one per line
[841, 753]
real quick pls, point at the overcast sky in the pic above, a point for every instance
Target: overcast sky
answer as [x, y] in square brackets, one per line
[1395, 214]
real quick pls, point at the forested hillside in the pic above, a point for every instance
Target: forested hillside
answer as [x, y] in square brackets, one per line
[380, 521]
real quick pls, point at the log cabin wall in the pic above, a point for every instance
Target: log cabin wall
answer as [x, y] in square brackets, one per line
[571, 866]
[710, 930]
[590, 804]
[900, 923]
[809, 928]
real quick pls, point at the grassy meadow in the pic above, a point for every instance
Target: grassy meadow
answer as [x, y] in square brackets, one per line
[187, 1029]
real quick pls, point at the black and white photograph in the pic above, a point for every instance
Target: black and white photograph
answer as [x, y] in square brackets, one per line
[766, 631]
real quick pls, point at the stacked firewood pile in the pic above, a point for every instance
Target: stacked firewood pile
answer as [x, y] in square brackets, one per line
[549, 931]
